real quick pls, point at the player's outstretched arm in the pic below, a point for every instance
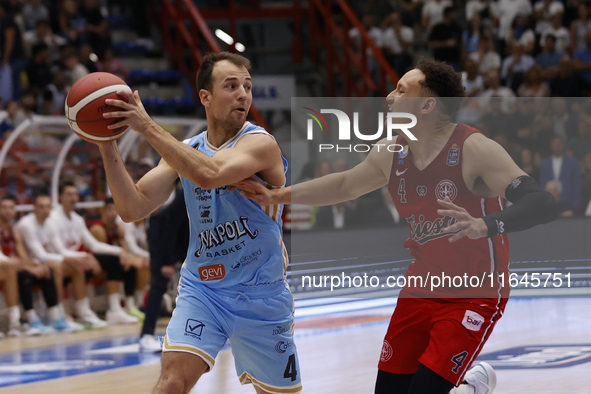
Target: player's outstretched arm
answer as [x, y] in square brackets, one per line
[136, 201]
[262, 195]
[531, 204]
[369, 175]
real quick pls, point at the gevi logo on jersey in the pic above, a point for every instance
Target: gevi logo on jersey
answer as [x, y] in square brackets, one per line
[344, 123]
[212, 272]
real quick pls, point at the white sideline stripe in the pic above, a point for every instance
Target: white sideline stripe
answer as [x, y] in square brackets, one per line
[83, 204]
[72, 112]
[343, 307]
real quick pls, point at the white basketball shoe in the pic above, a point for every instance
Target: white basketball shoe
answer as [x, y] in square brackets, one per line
[482, 377]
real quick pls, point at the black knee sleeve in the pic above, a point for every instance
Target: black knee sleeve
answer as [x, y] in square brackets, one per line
[427, 381]
[111, 265]
[49, 291]
[129, 281]
[25, 288]
[392, 383]
[27, 281]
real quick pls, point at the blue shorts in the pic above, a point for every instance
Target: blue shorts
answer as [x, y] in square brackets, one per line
[258, 321]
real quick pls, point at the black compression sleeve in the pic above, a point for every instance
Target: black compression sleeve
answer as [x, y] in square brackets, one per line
[531, 206]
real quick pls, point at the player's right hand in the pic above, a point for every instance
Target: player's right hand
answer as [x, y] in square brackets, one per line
[126, 260]
[91, 263]
[40, 271]
[15, 262]
[255, 191]
[168, 271]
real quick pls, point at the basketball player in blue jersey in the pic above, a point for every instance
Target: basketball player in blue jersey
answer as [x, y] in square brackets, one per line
[233, 280]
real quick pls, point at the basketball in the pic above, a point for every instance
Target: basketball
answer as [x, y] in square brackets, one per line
[85, 106]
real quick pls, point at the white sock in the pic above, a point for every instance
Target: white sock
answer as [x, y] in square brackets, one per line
[463, 389]
[31, 315]
[62, 311]
[14, 317]
[139, 297]
[129, 302]
[82, 306]
[53, 313]
[114, 302]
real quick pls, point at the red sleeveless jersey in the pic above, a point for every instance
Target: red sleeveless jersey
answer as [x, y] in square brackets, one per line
[415, 194]
[7, 242]
[113, 238]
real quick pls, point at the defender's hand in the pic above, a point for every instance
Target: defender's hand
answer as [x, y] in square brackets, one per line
[255, 191]
[40, 271]
[466, 225]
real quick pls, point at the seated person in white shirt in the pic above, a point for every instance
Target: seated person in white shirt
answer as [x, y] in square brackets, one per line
[43, 246]
[486, 58]
[516, 65]
[495, 89]
[113, 260]
[8, 269]
[557, 30]
[109, 231]
[30, 273]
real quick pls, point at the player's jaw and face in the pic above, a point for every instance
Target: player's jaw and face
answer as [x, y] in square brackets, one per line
[69, 198]
[42, 208]
[407, 88]
[7, 211]
[231, 95]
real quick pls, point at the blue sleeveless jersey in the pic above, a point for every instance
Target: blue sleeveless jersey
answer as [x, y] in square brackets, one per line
[234, 242]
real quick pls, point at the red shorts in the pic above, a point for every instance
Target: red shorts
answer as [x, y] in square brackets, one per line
[443, 335]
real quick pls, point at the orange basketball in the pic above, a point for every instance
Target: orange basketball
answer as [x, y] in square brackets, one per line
[85, 106]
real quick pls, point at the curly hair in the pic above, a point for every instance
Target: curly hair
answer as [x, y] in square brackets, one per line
[441, 80]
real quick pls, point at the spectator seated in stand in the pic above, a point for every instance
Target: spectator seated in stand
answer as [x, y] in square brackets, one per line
[580, 26]
[515, 66]
[567, 82]
[108, 63]
[557, 30]
[560, 174]
[486, 58]
[582, 62]
[520, 32]
[397, 42]
[533, 85]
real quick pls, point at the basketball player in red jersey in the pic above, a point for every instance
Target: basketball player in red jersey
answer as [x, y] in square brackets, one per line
[449, 184]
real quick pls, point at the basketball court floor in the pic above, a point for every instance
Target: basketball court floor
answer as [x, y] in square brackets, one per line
[541, 345]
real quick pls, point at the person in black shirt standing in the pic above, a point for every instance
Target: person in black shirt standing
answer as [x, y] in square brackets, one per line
[446, 40]
[96, 30]
[11, 47]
